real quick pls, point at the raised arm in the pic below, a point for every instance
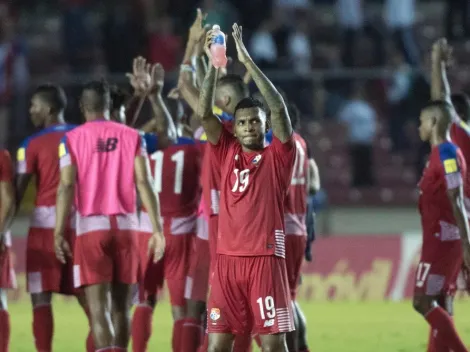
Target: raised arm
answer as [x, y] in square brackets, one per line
[440, 56]
[280, 121]
[164, 121]
[211, 123]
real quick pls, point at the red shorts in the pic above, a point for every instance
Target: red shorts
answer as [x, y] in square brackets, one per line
[438, 271]
[197, 281]
[250, 295]
[106, 250]
[7, 274]
[295, 249]
[150, 273]
[44, 271]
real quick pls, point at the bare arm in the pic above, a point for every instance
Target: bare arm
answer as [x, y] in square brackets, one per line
[440, 88]
[147, 195]
[280, 121]
[188, 91]
[201, 69]
[21, 185]
[65, 193]
[211, 123]
[7, 210]
[314, 176]
[456, 199]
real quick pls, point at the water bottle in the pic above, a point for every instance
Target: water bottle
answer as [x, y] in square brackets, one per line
[218, 48]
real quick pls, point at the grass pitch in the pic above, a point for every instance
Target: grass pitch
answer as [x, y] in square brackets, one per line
[333, 327]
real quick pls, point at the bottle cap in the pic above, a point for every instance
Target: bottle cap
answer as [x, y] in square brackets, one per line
[216, 27]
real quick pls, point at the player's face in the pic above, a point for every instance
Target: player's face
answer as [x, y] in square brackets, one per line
[427, 122]
[250, 128]
[38, 111]
[119, 115]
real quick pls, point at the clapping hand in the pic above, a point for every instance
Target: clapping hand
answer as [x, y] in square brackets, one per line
[243, 55]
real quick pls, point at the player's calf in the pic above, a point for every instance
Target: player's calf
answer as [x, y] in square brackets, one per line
[120, 296]
[43, 321]
[302, 329]
[292, 338]
[97, 297]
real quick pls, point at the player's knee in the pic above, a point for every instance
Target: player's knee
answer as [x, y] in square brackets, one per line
[218, 346]
[3, 300]
[195, 309]
[41, 299]
[422, 304]
[274, 343]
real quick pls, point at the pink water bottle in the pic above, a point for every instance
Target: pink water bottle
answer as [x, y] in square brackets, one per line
[218, 48]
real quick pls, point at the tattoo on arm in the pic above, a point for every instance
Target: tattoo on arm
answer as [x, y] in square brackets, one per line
[280, 120]
[211, 123]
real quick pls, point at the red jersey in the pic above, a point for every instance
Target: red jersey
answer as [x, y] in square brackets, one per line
[444, 171]
[460, 135]
[210, 177]
[254, 186]
[6, 166]
[38, 155]
[176, 172]
[296, 200]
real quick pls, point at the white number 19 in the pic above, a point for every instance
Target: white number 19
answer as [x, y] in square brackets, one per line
[242, 180]
[266, 307]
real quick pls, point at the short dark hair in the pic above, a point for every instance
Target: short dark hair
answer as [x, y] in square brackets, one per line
[294, 114]
[444, 108]
[461, 103]
[235, 82]
[53, 95]
[118, 97]
[249, 102]
[96, 96]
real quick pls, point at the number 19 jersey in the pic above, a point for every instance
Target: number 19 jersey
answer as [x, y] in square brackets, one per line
[253, 190]
[175, 172]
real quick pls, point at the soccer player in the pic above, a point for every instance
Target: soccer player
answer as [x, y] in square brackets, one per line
[37, 156]
[444, 219]
[249, 290]
[295, 225]
[7, 275]
[101, 162]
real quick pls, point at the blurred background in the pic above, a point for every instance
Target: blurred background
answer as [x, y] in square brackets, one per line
[358, 71]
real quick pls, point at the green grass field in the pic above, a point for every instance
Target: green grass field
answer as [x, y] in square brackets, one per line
[334, 327]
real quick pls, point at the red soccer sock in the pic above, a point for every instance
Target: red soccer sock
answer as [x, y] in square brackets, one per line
[176, 341]
[205, 343]
[242, 343]
[4, 330]
[441, 321]
[43, 328]
[191, 335]
[431, 341]
[141, 327]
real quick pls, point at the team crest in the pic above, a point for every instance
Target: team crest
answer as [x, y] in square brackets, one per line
[256, 159]
[215, 314]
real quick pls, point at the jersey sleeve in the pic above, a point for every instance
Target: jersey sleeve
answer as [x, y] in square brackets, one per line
[26, 158]
[6, 167]
[226, 140]
[141, 149]
[66, 157]
[151, 142]
[449, 166]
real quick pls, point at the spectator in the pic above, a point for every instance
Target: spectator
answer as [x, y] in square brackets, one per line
[400, 17]
[263, 47]
[164, 44]
[361, 122]
[457, 20]
[398, 100]
[123, 35]
[351, 20]
[14, 77]
[299, 47]
[77, 42]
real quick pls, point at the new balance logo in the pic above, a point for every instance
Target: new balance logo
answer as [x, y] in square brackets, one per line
[268, 323]
[106, 145]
